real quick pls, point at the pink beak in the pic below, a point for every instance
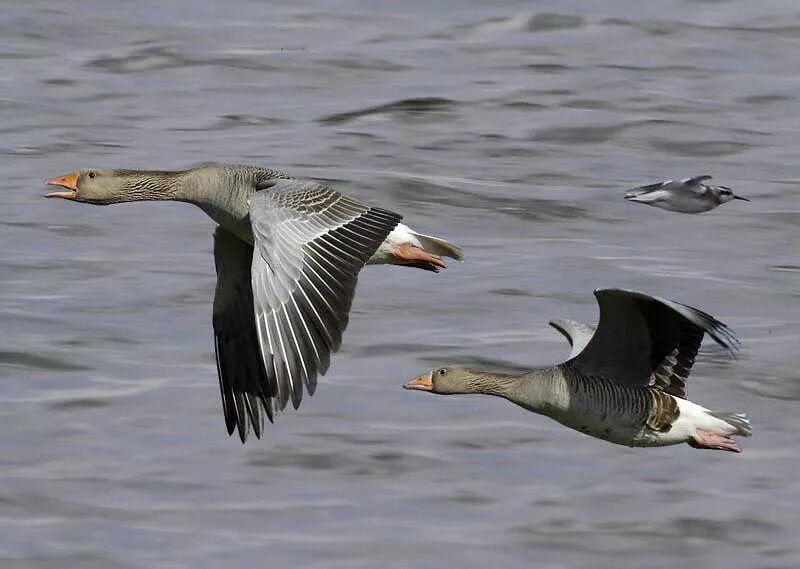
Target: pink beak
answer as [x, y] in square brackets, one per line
[421, 383]
[70, 182]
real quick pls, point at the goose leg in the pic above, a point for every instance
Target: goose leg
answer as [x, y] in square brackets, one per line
[413, 256]
[707, 439]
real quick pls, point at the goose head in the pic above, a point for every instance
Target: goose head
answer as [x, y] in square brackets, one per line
[103, 187]
[449, 380]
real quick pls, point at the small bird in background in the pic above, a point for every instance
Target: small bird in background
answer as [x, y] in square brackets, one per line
[691, 195]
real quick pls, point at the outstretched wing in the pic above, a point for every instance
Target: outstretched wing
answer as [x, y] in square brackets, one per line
[696, 182]
[661, 190]
[646, 340]
[243, 381]
[280, 309]
[310, 244]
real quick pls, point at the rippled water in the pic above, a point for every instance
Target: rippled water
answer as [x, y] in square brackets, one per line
[512, 130]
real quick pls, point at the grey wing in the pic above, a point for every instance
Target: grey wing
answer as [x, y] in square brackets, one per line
[696, 182]
[577, 334]
[646, 340]
[310, 244]
[643, 190]
[243, 380]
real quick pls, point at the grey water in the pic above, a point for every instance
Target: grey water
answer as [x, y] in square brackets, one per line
[512, 129]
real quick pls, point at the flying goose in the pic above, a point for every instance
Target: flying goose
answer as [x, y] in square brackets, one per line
[628, 383]
[691, 195]
[287, 254]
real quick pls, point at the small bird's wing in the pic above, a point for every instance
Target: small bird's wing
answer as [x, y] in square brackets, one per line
[577, 334]
[696, 182]
[662, 190]
[644, 190]
[310, 244]
[646, 340]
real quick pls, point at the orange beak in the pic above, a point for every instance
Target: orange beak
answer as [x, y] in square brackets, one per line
[421, 383]
[70, 182]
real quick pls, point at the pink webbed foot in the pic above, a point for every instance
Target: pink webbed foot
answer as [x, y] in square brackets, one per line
[707, 439]
[413, 256]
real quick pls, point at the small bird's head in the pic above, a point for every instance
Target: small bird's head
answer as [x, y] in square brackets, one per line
[725, 194]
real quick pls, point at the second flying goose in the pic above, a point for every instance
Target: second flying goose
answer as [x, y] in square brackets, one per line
[627, 384]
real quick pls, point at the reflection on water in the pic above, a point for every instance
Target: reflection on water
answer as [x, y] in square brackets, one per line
[514, 132]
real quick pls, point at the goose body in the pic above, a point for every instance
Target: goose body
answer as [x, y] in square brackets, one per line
[636, 416]
[690, 195]
[287, 254]
[626, 385]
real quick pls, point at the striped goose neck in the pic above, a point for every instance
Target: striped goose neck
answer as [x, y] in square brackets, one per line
[144, 185]
[491, 383]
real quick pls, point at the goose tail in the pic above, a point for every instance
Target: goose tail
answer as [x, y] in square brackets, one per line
[738, 421]
[439, 246]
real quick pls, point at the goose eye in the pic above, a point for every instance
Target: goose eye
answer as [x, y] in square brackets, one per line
[92, 174]
[443, 371]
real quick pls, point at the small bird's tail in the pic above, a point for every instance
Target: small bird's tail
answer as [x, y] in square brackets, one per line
[738, 421]
[644, 194]
[638, 195]
[439, 246]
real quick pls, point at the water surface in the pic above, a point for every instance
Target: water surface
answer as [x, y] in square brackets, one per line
[513, 130]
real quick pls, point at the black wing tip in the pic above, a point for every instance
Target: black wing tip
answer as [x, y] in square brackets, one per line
[725, 337]
[241, 423]
[720, 332]
[243, 428]
[385, 213]
[230, 423]
[311, 388]
[296, 399]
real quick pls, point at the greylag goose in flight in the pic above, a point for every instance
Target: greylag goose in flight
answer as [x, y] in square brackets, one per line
[627, 385]
[287, 254]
